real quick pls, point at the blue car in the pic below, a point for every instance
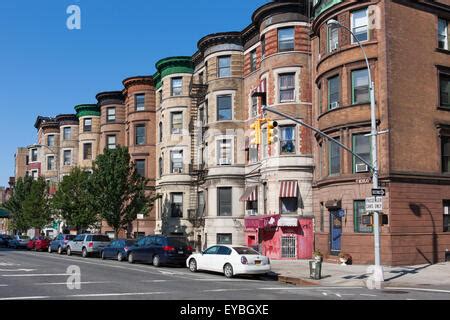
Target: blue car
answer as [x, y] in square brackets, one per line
[59, 244]
[160, 250]
[117, 249]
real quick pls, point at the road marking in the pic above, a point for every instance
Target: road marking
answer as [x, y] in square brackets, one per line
[24, 298]
[15, 270]
[65, 283]
[155, 280]
[7, 264]
[324, 293]
[338, 295]
[310, 288]
[115, 294]
[225, 290]
[36, 275]
[418, 289]
[3, 285]
[367, 295]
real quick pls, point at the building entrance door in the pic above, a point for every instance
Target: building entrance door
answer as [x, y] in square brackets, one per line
[335, 232]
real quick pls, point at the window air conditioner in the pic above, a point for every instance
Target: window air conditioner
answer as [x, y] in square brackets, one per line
[335, 47]
[224, 162]
[177, 170]
[250, 212]
[361, 167]
[334, 105]
[176, 131]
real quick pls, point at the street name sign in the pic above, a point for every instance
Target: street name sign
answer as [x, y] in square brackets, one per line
[379, 192]
[374, 204]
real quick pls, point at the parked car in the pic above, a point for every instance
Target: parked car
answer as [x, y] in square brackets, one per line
[117, 249]
[87, 244]
[231, 260]
[18, 242]
[38, 243]
[4, 239]
[59, 244]
[160, 250]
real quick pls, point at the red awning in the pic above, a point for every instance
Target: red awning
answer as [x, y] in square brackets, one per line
[289, 189]
[250, 194]
[261, 222]
[260, 90]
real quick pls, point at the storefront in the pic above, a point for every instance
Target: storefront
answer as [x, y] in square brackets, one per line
[280, 237]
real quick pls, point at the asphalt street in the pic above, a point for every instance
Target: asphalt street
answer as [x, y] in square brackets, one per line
[26, 275]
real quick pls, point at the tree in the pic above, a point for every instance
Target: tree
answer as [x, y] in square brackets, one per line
[36, 207]
[120, 192]
[14, 205]
[73, 201]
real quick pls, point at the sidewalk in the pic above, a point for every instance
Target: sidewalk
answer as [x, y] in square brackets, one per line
[297, 272]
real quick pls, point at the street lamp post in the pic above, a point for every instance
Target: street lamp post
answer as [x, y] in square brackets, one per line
[378, 269]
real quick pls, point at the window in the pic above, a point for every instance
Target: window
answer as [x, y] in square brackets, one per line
[322, 217]
[285, 39]
[224, 202]
[140, 167]
[360, 26]
[360, 86]
[253, 154]
[50, 163]
[176, 205]
[224, 108]
[446, 219]
[160, 132]
[359, 209]
[161, 168]
[444, 84]
[176, 159]
[263, 47]
[140, 134]
[289, 205]
[333, 38]
[335, 157]
[67, 157]
[34, 155]
[87, 151]
[265, 146]
[224, 238]
[139, 102]
[224, 149]
[34, 174]
[87, 125]
[111, 143]
[201, 203]
[177, 86]
[176, 122]
[445, 154]
[287, 139]
[253, 61]
[254, 107]
[67, 133]
[265, 192]
[50, 140]
[361, 146]
[224, 69]
[333, 92]
[287, 87]
[443, 34]
[319, 98]
[111, 114]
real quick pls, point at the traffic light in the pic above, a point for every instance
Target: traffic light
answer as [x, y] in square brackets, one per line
[271, 125]
[255, 137]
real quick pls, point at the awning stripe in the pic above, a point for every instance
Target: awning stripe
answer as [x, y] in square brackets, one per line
[260, 89]
[249, 194]
[289, 189]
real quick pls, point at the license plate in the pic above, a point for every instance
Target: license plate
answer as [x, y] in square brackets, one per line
[258, 262]
[180, 252]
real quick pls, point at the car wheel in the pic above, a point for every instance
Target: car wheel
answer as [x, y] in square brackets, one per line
[69, 251]
[156, 261]
[84, 253]
[103, 255]
[193, 265]
[120, 257]
[228, 271]
[131, 257]
[60, 251]
[49, 249]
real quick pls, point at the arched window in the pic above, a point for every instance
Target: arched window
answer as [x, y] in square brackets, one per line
[160, 132]
[161, 164]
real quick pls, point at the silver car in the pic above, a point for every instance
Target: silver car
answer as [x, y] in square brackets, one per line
[87, 244]
[18, 242]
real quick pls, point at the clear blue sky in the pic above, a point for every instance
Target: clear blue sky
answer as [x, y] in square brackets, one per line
[46, 69]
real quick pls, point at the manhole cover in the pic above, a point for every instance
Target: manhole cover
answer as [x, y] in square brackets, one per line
[395, 292]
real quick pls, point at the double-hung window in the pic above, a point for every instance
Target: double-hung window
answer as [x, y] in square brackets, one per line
[111, 114]
[286, 39]
[360, 25]
[50, 163]
[87, 125]
[224, 67]
[140, 168]
[224, 107]
[444, 89]
[67, 133]
[111, 143]
[253, 60]
[51, 140]
[224, 201]
[224, 148]
[253, 153]
[446, 218]
[87, 151]
[359, 209]
[176, 205]
[176, 159]
[287, 87]
[443, 34]
[360, 86]
[287, 139]
[177, 86]
[67, 156]
[333, 38]
[140, 134]
[361, 146]
[263, 47]
[34, 155]
[335, 157]
[176, 122]
[139, 102]
[333, 92]
[254, 107]
[445, 151]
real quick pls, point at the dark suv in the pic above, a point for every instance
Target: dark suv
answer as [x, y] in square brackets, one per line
[160, 250]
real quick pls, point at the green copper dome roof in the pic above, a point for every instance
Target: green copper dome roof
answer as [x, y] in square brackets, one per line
[172, 65]
[85, 110]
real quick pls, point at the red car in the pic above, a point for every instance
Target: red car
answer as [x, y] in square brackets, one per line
[38, 244]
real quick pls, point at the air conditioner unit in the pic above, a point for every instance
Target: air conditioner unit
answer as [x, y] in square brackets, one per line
[176, 131]
[335, 47]
[250, 212]
[177, 170]
[334, 105]
[224, 162]
[361, 167]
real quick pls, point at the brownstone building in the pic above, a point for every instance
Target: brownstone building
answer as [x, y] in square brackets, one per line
[407, 46]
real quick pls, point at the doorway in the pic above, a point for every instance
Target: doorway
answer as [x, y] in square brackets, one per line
[335, 232]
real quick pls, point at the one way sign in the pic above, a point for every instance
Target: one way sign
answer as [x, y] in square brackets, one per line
[378, 192]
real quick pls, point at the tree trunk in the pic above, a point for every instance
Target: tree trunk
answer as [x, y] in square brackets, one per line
[116, 233]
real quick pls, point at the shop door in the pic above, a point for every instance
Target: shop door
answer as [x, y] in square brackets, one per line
[335, 232]
[289, 247]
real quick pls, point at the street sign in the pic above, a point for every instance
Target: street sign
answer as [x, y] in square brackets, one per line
[379, 192]
[374, 204]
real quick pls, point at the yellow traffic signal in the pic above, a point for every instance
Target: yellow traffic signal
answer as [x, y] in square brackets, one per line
[271, 125]
[256, 133]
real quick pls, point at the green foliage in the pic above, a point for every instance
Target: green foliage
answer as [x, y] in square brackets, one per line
[15, 204]
[120, 192]
[73, 201]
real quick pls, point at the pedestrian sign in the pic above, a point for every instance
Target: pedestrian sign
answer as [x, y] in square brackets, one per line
[374, 204]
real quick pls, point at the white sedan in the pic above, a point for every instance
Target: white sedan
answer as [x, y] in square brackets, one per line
[231, 260]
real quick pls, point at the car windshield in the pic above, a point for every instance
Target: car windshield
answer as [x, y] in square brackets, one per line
[245, 250]
[101, 238]
[177, 242]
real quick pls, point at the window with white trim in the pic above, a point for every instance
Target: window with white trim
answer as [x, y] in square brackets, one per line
[286, 87]
[287, 139]
[176, 160]
[443, 34]
[176, 122]
[67, 157]
[224, 152]
[254, 107]
[286, 39]
[177, 86]
[360, 25]
[224, 66]
[111, 142]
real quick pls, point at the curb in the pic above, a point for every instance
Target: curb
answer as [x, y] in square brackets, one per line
[297, 281]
